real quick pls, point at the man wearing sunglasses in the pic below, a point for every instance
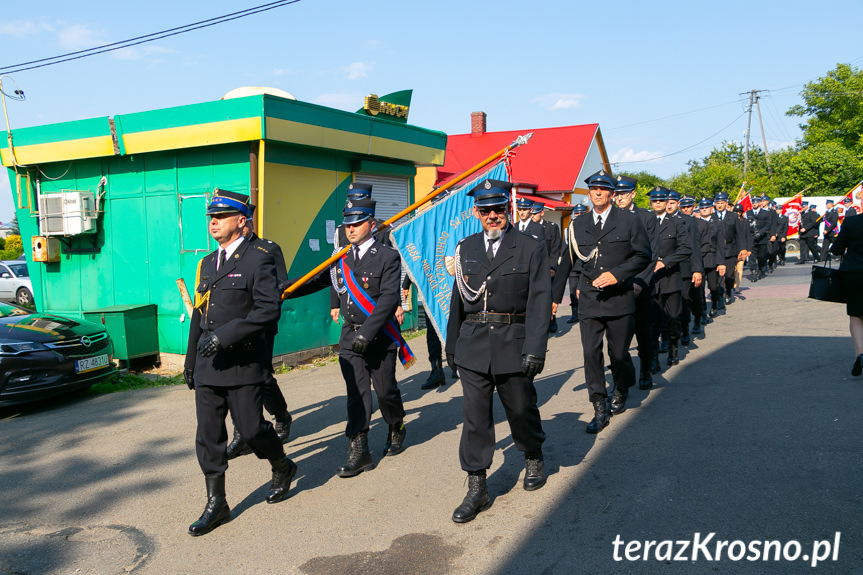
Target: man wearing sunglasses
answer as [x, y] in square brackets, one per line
[496, 336]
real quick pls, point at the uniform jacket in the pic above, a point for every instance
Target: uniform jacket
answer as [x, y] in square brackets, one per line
[711, 244]
[782, 226]
[281, 270]
[533, 229]
[379, 274]
[624, 250]
[553, 241]
[517, 282]
[763, 224]
[694, 262]
[648, 218]
[674, 246]
[732, 234]
[850, 243]
[809, 224]
[243, 304]
[852, 211]
[831, 221]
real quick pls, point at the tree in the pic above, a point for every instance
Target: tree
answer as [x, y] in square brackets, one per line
[834, 107]
[828, 169]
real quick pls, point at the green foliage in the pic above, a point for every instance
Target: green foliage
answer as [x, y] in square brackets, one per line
[646, 182]
[2, 243]
[11, 248]
[133, 381]
[827, 168]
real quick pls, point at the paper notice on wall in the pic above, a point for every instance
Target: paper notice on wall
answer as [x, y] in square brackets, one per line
[331, 230]
[315, 245]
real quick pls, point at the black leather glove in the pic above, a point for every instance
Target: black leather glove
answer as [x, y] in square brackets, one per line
[450, 362]
[361, 344]
[532, 365]
[209, 346]
[189, 376]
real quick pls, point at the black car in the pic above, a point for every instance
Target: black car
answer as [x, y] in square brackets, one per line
[43, 355]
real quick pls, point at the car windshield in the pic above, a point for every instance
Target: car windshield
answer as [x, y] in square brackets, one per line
[20, 270]
[7, 310]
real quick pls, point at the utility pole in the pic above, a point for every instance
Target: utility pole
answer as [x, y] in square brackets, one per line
[754, 100]
[763, 137]
[748, 125]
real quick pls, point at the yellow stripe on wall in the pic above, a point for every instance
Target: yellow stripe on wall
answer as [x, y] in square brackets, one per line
[208, 134]
[60, 151]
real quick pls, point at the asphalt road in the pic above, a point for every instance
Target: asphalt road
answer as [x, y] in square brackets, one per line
[754, 437]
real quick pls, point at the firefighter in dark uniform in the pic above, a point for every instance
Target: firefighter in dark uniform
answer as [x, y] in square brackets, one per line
[366, 280]
[763, 224]
[781, 234]
[644, 321]
[274, 400]
[735, 248]
[577, 210]
[713, 256]
[553, 240]
[525, 222]
[831, 226]
[808, 230]
[692, 268]
[706, 242]
[496, 336]
[608, 248]
[673, 246]
[228, 359]
[850, 210]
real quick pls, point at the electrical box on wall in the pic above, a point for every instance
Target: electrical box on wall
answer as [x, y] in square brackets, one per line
[68, 213]
[46, 249]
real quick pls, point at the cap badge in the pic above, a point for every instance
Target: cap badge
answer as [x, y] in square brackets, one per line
[487, 185]
[351, 186]
[350, 205]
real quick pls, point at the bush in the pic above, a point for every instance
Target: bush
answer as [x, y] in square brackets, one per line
[11, 248]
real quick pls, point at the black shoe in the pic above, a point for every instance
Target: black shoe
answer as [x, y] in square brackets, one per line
[395, 440]
[753, 278]
[475, 501]
[283, 427]
[857, 368]
[761, 275]
[534, 472]
[359, 457]
[552, 326]
[601, 416]
[654, 364]
[696, 329]
[436, 377]
[663, 346]
[672, 353]
[712, 313]
[572, 319]
[685, 339]
[618, 401]
[216, 511]
[237, 447]
[729, 299]
[645, 380]
[283, 473]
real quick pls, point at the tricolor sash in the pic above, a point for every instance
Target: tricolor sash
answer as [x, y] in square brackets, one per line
[367, 305]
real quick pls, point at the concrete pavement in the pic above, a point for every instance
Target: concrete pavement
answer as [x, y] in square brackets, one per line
[754, 436]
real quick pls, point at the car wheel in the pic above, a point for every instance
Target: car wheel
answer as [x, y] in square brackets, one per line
[24, 297]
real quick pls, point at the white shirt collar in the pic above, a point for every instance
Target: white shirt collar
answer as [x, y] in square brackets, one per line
[364, 247]
[232, 247]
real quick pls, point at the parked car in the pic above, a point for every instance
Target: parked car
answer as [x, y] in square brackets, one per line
[43, 355]
[15, 284]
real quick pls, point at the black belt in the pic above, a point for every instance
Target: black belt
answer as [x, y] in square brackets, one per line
[493, 317]
[353, 326]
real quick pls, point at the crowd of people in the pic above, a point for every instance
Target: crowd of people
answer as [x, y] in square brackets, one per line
[659, 275]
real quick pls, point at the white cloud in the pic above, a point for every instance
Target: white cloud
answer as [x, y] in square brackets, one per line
[557, 101]
[79, 36]
[626, 155]
[281, 71]
[349, 102]
[359, 70]
[22, 28]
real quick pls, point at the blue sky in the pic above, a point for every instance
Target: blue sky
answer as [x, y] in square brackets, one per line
[658, 77]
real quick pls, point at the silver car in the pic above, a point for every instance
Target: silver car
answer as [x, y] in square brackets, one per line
[15, 282]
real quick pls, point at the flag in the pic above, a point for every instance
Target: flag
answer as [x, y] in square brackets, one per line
[740, 195]
[427, 246]
[744, 201]
[792, 209]
[856, 196]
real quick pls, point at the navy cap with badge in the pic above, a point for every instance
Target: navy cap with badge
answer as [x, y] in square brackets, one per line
[579, 209]
[804, 204]
[705, 203]
[847, 200]
[625, 184]
[537, 208]
[687, 201]
[357, 191]
[359, 210]
[523, 204]
[601, 179]
[227, 202]
[673, 194]
[490, 193]
[658, 194]
[720, 197]
[738, 208]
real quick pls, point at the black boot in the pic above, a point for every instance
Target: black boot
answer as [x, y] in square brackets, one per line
[475, 501]
[601, 416]
[283, 473]
[696, 327]
[663, 345]
[237, 447]
[552, 326]
[574, 317]
[395, 440]
[359, 457]
[672, 353]
[618, 400]
[216, 512]
[283, 426]
[685, 338]
[534, 471]
[436, 377]
[654, 364]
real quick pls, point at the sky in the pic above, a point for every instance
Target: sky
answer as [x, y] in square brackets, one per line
[665, 81]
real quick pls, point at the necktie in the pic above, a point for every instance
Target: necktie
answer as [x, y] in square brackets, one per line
[489, 253]
[721, 215]
[356, 254]
[598, 224]
[223, 256]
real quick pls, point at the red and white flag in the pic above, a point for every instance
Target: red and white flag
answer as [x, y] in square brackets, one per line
[792, 208]
[745, 201]
[856, 196]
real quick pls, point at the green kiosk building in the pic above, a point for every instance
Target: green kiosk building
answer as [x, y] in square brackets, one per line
[114, 206]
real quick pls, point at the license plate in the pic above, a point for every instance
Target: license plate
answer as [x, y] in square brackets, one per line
[91, 363]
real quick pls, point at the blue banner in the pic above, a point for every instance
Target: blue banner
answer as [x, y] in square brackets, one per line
[427, 245]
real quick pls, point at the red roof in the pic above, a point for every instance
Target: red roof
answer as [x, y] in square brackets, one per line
[551, 159]
[550, 204]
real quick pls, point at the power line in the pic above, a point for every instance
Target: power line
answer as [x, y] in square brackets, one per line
[672, 116]
[145, 38]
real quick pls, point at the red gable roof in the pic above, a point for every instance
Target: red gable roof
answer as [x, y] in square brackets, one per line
[551, 159]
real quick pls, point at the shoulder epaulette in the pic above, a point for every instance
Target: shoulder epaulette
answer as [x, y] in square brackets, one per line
[263, 249]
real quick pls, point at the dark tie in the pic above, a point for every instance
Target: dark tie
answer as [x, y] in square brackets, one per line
[223, 256]
[598, 225]
[489, 253]
[721, 215]
[356, 254]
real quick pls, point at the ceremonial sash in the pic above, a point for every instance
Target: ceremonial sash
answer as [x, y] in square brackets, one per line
[367, 306]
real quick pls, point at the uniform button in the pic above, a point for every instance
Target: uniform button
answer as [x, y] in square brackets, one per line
[599, 243]
[602, 268]
[488, 277]
[491, 327]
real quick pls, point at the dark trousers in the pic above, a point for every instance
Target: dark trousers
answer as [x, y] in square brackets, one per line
[432, 340]
[696, 299]
[618, 333]
[825, 247]
[780, 250]
[377, 366]
[808, 246]
[686, 305]
[274, 400]
[761, 255]
[711, 278]
[573, 287]
[730, 264]
[518, 396]
[668, 308]
[644, 322]
[244, 402]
